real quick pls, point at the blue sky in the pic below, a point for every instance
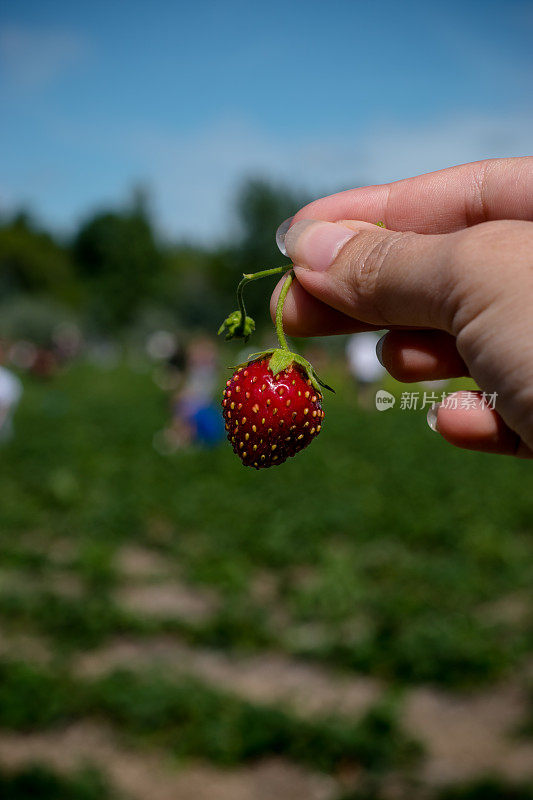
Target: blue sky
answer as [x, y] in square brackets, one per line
[189, 97]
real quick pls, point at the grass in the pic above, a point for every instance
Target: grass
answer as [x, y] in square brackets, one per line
[41, 783]
[71, 623]
[490, 788]
[191, 719]
[382, 549]
[384, 538]
[33, 699]
[486, 788]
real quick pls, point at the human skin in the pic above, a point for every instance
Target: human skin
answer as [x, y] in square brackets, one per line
[450, 276]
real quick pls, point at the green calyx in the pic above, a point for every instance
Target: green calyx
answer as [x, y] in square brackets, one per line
[237, 327]
[281, 359]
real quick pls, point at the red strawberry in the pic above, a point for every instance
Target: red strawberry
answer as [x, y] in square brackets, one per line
[270, 417]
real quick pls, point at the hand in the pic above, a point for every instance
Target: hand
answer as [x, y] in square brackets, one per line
[451, 277]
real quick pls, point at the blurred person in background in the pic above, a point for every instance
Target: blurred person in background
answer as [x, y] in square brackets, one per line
[10, 394]
[45, 364]
[168, 351]
[196, 418]
[67, 341]
[364, 366]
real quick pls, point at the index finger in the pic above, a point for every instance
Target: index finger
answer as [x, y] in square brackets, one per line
[437, 202]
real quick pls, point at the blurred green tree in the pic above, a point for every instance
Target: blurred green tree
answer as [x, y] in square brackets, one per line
[185, 286]
[260, 206]
[117, 269]
[34, 318]
[117, 256]
[33, 262]
[199, 284]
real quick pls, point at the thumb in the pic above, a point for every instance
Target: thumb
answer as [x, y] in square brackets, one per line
[372, 274]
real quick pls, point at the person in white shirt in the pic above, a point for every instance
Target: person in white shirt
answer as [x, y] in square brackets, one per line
[364, 365]
[10, 394]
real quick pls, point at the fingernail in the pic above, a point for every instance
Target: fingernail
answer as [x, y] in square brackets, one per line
[379, 349]
[281, 232]
[314, 244]
[432, 417]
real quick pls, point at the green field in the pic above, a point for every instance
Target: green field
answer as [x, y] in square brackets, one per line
[381, 553]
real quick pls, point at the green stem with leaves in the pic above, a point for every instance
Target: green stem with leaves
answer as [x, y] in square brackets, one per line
[281, 357]
[248, 278]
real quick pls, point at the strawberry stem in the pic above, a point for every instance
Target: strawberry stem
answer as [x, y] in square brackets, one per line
[279, 311]
[248, 278]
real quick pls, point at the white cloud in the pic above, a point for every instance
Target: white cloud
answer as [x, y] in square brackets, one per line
[193, 178]
[34, 58]
[395, 153]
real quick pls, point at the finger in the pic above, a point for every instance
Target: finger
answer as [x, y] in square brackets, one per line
[374, 275]
[468, 422]
[438, 202]
[411, 356]
[304, 315]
